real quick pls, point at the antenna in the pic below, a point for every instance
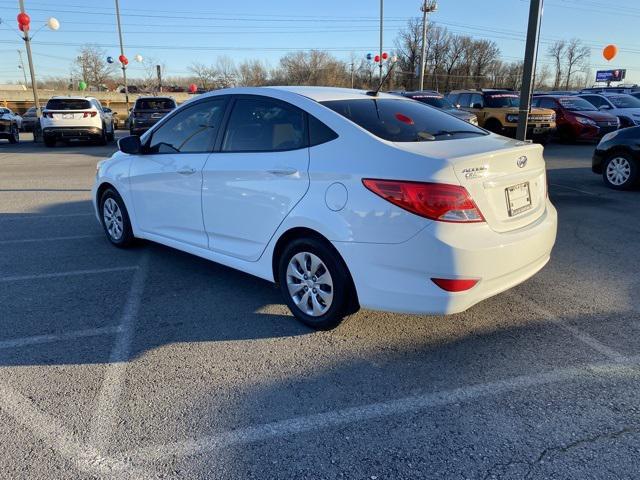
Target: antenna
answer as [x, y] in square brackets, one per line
[375, 92]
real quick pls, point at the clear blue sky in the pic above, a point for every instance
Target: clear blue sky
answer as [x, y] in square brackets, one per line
[179, 33]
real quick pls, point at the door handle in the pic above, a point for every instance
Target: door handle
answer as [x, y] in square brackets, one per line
[283, 171]
[186, 171]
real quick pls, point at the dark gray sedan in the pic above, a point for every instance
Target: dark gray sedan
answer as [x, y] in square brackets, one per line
[437, 100]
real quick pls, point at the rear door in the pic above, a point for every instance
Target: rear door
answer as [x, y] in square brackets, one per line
[256, 177]
[166, 181]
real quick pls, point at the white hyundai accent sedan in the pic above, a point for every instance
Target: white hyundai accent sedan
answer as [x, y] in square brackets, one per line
[344, 198]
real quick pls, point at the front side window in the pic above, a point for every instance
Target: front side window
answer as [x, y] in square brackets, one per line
[191, 130]
[464, 100]
[263, 125]
[548, 103]
[576, 104]
[401, 120]
[476, 101]
[596, 100]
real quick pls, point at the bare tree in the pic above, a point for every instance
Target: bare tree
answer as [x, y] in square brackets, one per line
[226, 74]
[91, 66]
[252, 73]
[541, 77]
[482, 54]
[576, 57]
[408, 46]
[312, 68]
[205, 74]
[457, 47]
[556, 52]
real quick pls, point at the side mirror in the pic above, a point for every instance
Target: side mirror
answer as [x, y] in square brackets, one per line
[130, 145]
[114, 113]
[604, 107]
[106, 110]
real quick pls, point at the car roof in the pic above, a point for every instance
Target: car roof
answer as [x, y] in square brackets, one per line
[148, 97]
[319, 94]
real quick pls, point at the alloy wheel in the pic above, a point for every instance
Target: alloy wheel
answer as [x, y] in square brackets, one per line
[618, 171]
[310, 284]
[112, 217]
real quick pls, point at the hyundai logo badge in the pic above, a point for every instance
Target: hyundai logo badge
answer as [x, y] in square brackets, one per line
[522, 161]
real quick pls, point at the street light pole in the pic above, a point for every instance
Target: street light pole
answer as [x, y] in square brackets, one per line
[34, 86]
[529, 68]
[124, 67]
[429, 6]
[381, 36]
[24, 70]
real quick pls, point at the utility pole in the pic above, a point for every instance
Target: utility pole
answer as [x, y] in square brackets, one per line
[124, 66]
[429, 6]
[159, 72]
[528, 71]
[352, 75]
[24, 70]
[34, 85]
[381, 36]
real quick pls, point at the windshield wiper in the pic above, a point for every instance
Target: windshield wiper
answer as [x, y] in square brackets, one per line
[453, 132]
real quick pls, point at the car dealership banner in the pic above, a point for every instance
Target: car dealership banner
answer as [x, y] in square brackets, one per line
[610, 75]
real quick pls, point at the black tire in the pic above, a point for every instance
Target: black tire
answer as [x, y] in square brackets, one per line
[50, 142]
[344, 300]
[632, 176]
[494, 126]
[103, 137]
[126, 238]
[111, 136]
[15, 135]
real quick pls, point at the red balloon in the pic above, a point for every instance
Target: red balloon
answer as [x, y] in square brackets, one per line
[123, 59]
[193, 88]
[376, 58]
[24, 19]
[23, 28]
[384, 55]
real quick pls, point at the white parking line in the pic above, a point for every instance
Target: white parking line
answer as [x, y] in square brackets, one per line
[574, 189]
[576, 332]
[401, 406]
[55, 436]
[51, 338]
[66, 274]
[49, 239]
[35, 216]
[106, 411]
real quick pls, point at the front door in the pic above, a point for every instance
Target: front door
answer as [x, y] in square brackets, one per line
[166, 181]
[257, 177]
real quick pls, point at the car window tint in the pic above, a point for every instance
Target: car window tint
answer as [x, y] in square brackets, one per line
[319, 132]
[476, 99]
[191, 130]
[264, 125]
[68, 104]
[155, 104]
[402, 120]
[464, 100]
[548, 103]
[595, 100]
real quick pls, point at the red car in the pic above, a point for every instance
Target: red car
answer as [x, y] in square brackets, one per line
[576, 118]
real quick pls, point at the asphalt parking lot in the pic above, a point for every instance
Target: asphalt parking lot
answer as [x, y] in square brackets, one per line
[151, 363]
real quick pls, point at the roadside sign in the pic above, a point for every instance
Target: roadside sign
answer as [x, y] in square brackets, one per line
[610, 75]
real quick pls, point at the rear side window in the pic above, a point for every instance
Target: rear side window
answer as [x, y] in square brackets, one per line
[191, 130]
[403, 121]
[155, 104]
[263, 125]
[68, 104]
[319, 132]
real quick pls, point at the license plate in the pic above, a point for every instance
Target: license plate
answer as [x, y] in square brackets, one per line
[67, 115]
[518, 198]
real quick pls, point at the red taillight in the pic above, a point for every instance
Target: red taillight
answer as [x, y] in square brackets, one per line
[454, 284]
[89, 114]
[436, 201]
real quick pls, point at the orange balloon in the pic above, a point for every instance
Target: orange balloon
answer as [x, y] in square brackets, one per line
[609, 52]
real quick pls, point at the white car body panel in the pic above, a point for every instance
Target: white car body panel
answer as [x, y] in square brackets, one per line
[391, 253]
[77, 118]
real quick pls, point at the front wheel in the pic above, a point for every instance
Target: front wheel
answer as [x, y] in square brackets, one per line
[620, 172]
[15, 135]
[115, 219]
[315, 283]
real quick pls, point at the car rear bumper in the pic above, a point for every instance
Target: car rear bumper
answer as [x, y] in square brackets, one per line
[397, 277]
[68, 133]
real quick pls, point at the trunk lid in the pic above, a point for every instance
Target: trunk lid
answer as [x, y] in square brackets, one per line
[509, 190]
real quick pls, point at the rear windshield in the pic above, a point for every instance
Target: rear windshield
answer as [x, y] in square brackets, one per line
[576, 104]
[624, 101]
[402, 121]
[434, 100]
[68, 104]
[155, 104]
[501, 100]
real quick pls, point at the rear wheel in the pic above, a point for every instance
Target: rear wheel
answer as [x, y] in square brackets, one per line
[15, 135]
[493, 125]
[50, 142]
[115, 219]
[103, 137]
[112, 134]
[620, 171]
[315, 283]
